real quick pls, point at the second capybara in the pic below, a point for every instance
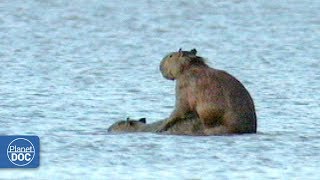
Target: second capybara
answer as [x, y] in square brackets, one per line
[191, 125]
[221, 102]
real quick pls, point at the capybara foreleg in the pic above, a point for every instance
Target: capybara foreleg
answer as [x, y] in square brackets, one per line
[168, 123]
[180, 112]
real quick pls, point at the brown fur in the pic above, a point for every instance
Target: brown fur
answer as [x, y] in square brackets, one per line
[189, 126]
[222, 103]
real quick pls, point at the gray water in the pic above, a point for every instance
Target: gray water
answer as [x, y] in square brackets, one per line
[71, 68]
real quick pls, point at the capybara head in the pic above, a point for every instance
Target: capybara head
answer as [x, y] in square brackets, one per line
[127, 126]
[173, 64]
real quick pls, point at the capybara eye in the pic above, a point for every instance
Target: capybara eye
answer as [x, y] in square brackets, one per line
[170, 56]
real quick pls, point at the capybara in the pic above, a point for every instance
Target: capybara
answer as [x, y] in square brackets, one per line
[221, 102]
[128, 125]
[191, 125]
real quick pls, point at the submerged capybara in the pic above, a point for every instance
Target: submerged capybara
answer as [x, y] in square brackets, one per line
[188, 126]
[221, 102]
[129, 125]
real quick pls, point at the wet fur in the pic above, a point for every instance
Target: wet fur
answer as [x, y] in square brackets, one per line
[188, 126]
[221, 102]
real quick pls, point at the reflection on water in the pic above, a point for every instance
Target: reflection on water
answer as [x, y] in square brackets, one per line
[69, 69]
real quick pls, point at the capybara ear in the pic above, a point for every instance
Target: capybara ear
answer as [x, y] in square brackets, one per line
[180, 52]
[128, 121]
[143, 120]
[193, 51]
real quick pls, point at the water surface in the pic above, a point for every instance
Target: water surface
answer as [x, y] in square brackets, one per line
[69, 69]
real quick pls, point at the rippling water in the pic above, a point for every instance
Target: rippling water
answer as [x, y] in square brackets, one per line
[69, 69]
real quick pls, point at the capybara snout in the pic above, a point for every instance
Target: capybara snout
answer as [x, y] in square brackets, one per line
[173, 64]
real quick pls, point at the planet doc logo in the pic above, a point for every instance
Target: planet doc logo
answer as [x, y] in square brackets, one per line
[21, 152]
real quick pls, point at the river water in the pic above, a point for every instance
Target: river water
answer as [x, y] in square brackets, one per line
[71, 68]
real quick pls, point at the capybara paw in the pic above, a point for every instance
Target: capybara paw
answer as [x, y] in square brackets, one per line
[161, 129]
